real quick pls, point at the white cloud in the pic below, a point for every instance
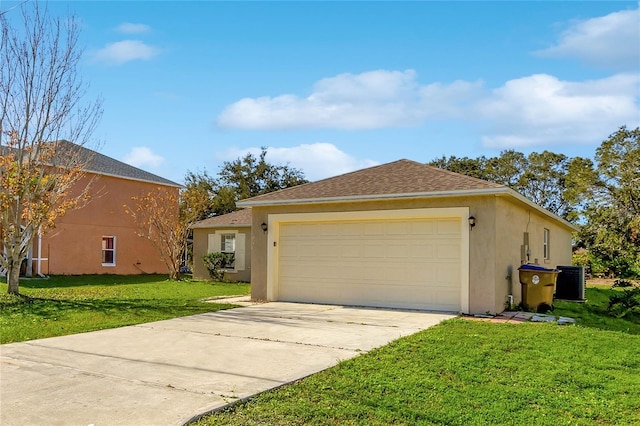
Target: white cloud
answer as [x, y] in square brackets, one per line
[141, 156]
[130, 28]
[533, 110]
[125, 51]
[316, 160]
[371, 100]
[541, 109]
[611, 41]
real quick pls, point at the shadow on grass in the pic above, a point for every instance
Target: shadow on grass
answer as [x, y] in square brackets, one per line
[60, 281]
[46, 308]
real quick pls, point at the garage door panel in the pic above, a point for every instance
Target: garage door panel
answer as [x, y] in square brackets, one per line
[448, 251]
[397, 228]
[374, 250]
[447, 272]
[448, 227]
[387, 263]
[423, 250]
[423, 227]
[373, 228]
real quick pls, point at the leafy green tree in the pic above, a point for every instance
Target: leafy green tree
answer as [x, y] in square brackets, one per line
[244, 177]
[507, 169]
[612, 213]
[250, 176]
[198, 195]
[543, 181]
[474, 167]
[541, 177]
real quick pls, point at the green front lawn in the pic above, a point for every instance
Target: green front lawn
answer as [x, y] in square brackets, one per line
[64, 305]
[472, 373]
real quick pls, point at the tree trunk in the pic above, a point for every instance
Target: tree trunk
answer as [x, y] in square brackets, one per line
[13, 277]
[174, 273]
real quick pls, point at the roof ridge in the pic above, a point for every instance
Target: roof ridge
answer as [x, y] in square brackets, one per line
[284, 190]
[397, 177]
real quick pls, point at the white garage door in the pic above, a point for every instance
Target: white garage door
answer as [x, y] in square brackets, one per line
[402, 263]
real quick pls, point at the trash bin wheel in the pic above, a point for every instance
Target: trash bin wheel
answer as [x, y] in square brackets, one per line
[543, 307]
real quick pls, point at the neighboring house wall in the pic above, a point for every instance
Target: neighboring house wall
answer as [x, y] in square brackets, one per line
[208, 240]
[75, 246]
[494, 243]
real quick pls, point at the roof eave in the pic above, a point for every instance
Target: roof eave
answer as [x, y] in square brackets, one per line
[234, 225]
[540, 209]
[172, 184]
[485, 191]
[499, 191]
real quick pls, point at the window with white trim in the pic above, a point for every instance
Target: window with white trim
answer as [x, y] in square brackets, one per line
[108, 251]
[229, 241]
[228, 246]
[545, 244]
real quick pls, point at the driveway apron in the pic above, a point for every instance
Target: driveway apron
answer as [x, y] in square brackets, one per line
[167, 372]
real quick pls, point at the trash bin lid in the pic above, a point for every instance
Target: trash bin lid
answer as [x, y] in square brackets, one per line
[532, 267]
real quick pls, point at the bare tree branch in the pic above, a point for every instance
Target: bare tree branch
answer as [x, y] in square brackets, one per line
[41, 110]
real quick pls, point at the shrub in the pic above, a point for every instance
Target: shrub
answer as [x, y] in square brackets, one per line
[622, 283]
[216, 263]
[625, 302]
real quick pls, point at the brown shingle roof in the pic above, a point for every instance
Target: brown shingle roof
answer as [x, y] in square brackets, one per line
[238, 218]
[94, 162]
[101, 164]
[399, 177]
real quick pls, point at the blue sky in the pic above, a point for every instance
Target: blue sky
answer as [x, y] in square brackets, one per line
[332, 87]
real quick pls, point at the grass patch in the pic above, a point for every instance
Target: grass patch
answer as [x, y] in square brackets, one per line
[466, 373]
[593, 313]
[63, 305]
[474, 373]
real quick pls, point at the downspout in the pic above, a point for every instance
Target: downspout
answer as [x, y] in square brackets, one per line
[38, 269]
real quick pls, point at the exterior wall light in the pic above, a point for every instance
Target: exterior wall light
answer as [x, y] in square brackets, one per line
[264, 227]
[472, 221]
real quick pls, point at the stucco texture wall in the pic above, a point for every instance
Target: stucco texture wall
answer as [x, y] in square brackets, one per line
[494, 243]
[200, 248]
[74, 247]
[513, 220]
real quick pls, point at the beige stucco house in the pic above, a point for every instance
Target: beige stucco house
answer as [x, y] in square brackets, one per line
[228, 233]
[400, 235]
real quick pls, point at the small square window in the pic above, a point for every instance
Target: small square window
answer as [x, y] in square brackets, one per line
[108, 251]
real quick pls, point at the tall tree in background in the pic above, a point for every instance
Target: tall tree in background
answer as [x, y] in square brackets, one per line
[603, 199]
[200, 190]
[612, 228]
[541, 177]
[249, 176]
[165, 217]
[40, 106]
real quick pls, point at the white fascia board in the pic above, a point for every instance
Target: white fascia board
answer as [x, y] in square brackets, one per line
[208, 226]
[540, 209]
[503, 191]
[248, 203]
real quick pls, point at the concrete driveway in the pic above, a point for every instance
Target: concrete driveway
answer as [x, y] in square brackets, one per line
[167, 372]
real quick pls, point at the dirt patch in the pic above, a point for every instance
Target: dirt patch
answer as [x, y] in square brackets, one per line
[606, 282]
[600, 282]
